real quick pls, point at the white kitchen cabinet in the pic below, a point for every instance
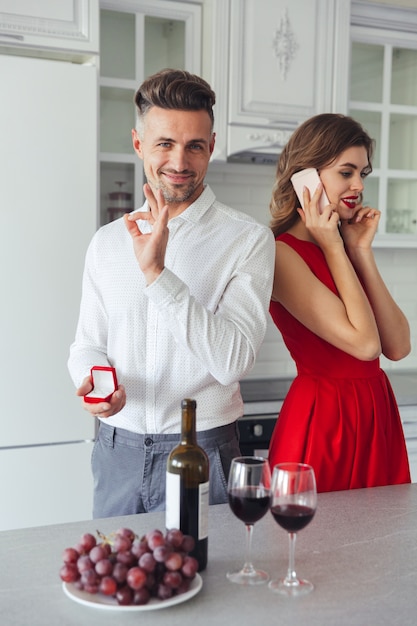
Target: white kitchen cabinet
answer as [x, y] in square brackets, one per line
[282, 65]
[383, 97]
[48, 214]
[45, 485]
[137, 39]
[64, 29]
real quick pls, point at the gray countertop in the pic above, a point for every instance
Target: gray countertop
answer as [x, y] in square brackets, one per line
[360, 551]
[404, 385]
[267, 394]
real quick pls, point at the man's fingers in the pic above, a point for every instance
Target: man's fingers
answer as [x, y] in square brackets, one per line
[152, 199]
[132, 226]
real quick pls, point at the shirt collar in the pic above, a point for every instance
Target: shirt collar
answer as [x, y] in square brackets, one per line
[193, 213]
[198, 208]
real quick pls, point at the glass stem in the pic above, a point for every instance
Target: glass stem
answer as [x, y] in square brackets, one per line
[248, 567]
[291, 577]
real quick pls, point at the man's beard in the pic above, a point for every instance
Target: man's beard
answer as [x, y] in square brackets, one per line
[176, 193]
[180, 195]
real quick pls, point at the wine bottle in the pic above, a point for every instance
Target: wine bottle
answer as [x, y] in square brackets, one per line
[187, 485]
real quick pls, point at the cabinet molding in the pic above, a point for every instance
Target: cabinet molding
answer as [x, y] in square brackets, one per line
[383, 16]
[219, 79]
[64, 26]
[281, 60]
[274, 64]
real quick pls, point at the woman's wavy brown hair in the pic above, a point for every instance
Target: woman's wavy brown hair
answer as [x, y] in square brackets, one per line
[316, 143]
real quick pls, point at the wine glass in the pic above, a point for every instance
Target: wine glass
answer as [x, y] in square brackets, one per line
[293, 505]
[249, 498]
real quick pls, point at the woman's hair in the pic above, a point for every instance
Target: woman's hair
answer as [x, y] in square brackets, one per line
[316, 143]
[174, 89]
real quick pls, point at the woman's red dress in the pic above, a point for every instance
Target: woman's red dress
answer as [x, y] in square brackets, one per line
[340, 414]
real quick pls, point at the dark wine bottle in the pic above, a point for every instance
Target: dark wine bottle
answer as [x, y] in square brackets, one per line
[187, 485]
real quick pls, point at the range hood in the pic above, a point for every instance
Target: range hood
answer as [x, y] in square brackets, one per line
[258, 145]
[258, 158]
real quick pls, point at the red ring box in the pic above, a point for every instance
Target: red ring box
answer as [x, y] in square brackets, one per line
[104, 384]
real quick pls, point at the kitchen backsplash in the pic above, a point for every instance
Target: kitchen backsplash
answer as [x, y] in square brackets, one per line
[248, 188]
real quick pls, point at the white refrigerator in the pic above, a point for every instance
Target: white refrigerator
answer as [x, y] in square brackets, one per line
[48, 208]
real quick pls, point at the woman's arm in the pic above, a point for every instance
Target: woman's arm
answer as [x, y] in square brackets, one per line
[393, 327]
[345, 320]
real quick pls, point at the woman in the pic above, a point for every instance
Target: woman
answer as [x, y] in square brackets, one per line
[336, 315]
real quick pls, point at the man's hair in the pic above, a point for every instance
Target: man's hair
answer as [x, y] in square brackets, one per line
[174, 89]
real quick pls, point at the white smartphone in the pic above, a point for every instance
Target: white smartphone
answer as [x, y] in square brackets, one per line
[308, 178]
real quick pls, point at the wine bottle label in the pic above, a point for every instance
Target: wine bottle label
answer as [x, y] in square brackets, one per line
[172, 500]
[182, 503]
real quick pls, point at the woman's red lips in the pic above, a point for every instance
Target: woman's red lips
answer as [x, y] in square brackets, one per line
[350, 201]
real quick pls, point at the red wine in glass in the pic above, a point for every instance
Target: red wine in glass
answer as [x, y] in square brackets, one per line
[249, 504]
[292, 517]
[249, 499]
[293, 505]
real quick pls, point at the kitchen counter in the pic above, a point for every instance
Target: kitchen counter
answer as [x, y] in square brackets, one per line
[267, 394]
[263, 399]
[404, 385]
[360, 551]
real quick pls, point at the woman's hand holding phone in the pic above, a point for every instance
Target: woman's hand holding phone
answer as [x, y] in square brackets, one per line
[308, 178]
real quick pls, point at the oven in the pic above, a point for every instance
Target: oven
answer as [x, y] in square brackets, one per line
[262, 400]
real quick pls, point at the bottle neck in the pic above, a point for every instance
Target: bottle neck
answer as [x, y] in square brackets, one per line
[188, 422]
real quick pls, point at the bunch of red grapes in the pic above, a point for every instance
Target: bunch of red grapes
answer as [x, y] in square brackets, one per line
[131, 569]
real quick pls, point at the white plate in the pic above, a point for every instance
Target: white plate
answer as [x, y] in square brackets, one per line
[99, 601]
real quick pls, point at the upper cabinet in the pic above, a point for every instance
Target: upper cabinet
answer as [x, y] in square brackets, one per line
[283, 58]
[64, 29]
[137, 39]
[383, 97]
[275, 63]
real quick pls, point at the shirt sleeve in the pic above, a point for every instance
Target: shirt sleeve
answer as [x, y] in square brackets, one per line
[227, 340]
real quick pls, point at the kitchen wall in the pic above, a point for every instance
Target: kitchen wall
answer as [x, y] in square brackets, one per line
[248, 188]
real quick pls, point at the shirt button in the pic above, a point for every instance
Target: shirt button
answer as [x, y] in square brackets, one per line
[148, 441]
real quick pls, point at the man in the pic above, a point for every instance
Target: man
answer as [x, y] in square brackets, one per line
[181, 315]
